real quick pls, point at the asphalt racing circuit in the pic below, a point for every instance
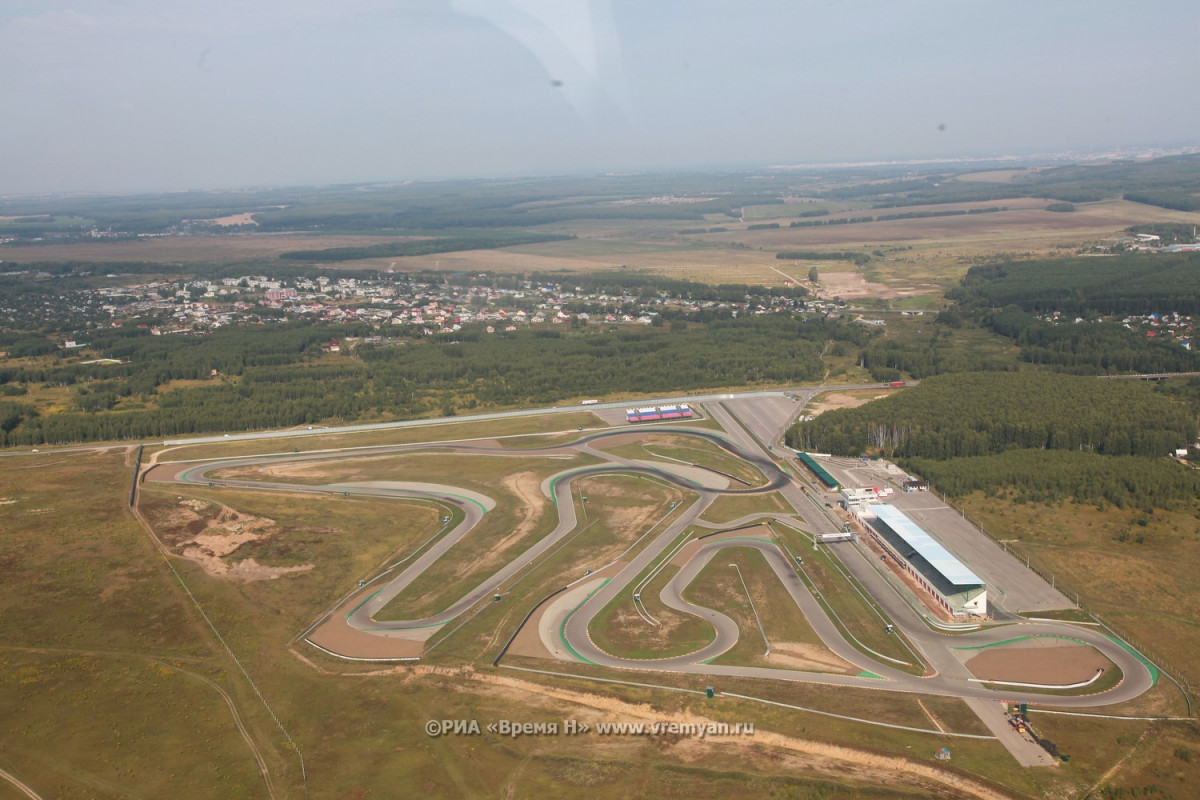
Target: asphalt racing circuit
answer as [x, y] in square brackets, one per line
[750, 427]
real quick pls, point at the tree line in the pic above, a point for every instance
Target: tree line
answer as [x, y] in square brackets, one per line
[277, 376]
[1130, 283]
[1051, 476]
[975, 414]
[422, 247]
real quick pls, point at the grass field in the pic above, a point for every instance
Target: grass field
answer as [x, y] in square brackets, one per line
[87, 604]
[621, 631]
[1138, 571]
[619, 509]
[794, 644]
[152, 726]
[334, 440]
[852, 612]
[689, 450]
[104, 669]
[730, 507]
[519, 518]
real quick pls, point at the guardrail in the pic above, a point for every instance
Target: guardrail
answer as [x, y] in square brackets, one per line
[137, 468]
[1163, 666]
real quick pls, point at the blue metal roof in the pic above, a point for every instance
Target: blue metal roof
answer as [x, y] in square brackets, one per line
[926, 546]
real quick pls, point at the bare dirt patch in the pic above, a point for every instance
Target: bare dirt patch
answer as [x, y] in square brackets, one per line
[798, 655]
[337, 637]
[834, 400]
[1049, 661]
[766, 749]
[852, 285]
[210, 533]
[609, 442]
[317, 472]
[233, 219]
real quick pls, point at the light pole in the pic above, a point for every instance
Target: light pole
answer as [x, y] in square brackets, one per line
[753, 610]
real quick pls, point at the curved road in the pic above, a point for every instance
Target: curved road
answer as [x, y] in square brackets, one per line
[950, 677]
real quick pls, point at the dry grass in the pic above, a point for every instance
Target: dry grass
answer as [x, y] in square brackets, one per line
[849, 399]
[729, 507]
[525, 427]
[918, 253]
[1150, 590]
[79, 575]
[202, 249]
[794, 644]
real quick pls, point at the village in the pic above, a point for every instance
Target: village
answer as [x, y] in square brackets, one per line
[199, 306]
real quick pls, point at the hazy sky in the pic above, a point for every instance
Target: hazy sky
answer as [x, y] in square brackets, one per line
[129, 95]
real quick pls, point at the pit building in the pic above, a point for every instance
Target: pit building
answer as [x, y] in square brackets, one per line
[952, 585]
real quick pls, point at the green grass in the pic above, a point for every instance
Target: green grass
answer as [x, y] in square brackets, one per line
[727, 508]
[80, 725]
[447, 431]
[620, 631]
[852, 613]
[535, 441]
[718, 587]
[482, 551]
[1064, 614]
[1149, 592]
[690, 450]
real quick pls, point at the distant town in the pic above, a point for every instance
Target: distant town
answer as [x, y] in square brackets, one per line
[393, 303]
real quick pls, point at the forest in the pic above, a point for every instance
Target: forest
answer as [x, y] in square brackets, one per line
[423, 247]
[277, 376]
[1051, 476]
[422, 209]
[1130, 283]
[984, 413]
[1030, 436]
[893, 358]
[1170, 182]
[645, 284]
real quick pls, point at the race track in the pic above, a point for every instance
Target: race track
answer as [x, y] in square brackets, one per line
[945, 675]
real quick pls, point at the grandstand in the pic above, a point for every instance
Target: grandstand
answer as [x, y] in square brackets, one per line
[655, 413]
[824, 477]
[955, 587]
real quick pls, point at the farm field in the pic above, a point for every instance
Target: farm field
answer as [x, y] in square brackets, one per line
[919, 255]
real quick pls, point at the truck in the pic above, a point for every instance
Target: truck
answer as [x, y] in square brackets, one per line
[896, 384]
[589, 402]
